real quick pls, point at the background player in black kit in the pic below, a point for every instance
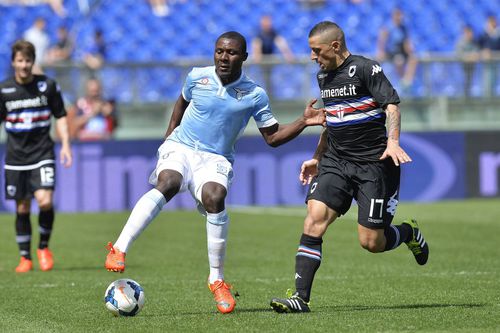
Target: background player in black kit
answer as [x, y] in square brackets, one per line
[27, 102]
[355, 159]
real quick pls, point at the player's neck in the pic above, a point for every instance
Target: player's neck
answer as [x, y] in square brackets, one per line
[342, 58]
[24, 80]
[230, 79]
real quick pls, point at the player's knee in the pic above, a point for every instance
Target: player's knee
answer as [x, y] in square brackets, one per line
[44, 202]
[168, 186]
[45, 205]
[213, 198]
[23, 207]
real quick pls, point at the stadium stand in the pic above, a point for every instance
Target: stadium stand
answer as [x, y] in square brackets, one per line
[134, 34]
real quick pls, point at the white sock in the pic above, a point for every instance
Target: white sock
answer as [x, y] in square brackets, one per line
[217, 227]
[145, 210]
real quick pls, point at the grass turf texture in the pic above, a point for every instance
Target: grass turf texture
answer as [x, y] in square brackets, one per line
[354, 291]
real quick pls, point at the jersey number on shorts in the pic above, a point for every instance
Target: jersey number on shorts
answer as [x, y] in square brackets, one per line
[376, 206]
[47, 175]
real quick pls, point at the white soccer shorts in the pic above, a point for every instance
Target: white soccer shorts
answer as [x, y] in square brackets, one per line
[196, 167]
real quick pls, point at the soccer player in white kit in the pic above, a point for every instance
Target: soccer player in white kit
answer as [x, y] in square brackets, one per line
[211, 113]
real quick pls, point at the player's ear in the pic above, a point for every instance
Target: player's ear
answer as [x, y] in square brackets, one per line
[245, 56]
[335, 46]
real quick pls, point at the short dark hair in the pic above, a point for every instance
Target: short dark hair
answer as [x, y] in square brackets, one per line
[327, 26]
[235, 36]
[26, 48]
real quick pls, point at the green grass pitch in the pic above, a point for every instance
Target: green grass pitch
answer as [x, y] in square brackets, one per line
[354, 291]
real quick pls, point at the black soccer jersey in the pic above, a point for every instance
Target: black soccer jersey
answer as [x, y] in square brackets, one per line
[26, 110]
[354, 96]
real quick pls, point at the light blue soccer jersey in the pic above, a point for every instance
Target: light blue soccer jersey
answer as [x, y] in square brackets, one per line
[217, 115]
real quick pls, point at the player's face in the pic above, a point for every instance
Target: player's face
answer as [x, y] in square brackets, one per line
[23, 66]
[228, 59]
[324, 53]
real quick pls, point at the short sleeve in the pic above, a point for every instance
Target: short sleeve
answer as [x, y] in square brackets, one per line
[262, 110]
[3, 110]
[378, 85]
[56, 102]
[188, 87]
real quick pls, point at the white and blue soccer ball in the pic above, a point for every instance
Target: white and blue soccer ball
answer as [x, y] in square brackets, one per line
[124, 297]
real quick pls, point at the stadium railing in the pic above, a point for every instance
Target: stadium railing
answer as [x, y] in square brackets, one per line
[436, 100]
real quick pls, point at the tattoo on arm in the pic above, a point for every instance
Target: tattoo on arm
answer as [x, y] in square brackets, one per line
[393, 122]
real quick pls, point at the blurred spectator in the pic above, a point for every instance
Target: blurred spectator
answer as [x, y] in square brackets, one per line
[394, 44]
[267, 39]
[93, 117]
[312, 3]
[489, 43]
[56, 5]
[490, 39]
[62, 49]
[159, 7]
[467, 49]
[95, 53]
[264, 44]
[162, 7]
[38, 37]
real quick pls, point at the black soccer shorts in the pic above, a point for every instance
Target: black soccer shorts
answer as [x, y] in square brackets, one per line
[374, 185]
[21, 183]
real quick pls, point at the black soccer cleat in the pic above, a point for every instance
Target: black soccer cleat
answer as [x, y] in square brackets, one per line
[417, 245]
[292, 304]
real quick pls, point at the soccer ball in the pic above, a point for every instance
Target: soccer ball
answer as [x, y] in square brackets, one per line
[124, 297]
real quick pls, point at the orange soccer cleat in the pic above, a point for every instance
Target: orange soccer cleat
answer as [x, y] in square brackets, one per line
[115, 260]
[45, 259]
[222, 295]
[25, 265]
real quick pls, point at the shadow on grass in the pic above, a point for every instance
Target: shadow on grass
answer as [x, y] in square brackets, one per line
[79, 268]
[332, 308]
[400, 307]
[209, 311]
[99, 267]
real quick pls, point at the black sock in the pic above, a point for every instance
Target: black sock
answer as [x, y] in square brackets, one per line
[397, 234]
[45, 221]
[23, 234]
[307, 262]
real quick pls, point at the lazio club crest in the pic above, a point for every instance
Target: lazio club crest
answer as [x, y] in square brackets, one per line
[240, 93]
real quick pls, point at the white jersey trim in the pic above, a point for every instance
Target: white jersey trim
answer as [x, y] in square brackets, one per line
[268, 123]
[26, 126]
[28, 167]
[345, 118]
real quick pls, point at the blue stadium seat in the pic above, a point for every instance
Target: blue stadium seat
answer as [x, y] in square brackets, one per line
[133, 33]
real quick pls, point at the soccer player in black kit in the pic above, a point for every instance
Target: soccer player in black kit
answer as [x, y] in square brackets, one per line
[355, 159]
[27, 102]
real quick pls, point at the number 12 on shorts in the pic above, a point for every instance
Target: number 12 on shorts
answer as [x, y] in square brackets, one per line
[47, 176]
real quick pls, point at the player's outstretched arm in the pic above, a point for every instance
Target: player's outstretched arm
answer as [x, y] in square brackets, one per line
[277, 134]
[393, 149]
[179, 108]
[65, 155]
